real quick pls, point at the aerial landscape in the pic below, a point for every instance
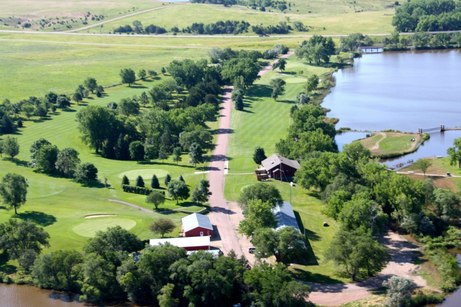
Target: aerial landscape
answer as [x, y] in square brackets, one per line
[230, 153]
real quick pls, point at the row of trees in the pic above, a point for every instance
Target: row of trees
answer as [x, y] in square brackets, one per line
[422, 41]
[427, 15]
[115, 266]
[281, 5]
[220, 27]
[11, 113]
[47, 158]
[173, 125]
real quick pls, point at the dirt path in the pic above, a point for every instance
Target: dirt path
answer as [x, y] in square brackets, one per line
[376, 146]
[403, 254]
[227, 215]
[220, 212]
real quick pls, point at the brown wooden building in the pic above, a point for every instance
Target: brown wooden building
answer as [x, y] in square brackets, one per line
[280, 168]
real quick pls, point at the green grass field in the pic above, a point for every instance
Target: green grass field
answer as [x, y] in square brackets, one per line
[61, 205]
[384, 144]
[341, 21]
[263, 123]
[38, 63]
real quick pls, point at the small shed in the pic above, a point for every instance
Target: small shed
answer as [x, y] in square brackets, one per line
[285, 216]
[188, 243]
[196, 224]
[280, 168]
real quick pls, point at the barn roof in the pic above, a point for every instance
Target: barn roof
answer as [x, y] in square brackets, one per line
[183, 242]
[196, 220]
[285, 216]
[276, 160]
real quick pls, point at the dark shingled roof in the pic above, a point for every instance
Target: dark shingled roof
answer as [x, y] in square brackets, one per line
[285, 216]
[276, 159]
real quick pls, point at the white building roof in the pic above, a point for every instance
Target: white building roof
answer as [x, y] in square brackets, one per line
[183, 242]
[196, 220]
[285, 216]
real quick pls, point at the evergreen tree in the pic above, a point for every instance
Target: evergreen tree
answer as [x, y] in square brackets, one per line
[140, 182]
[167, 179]
[155, 184]
[125, 180]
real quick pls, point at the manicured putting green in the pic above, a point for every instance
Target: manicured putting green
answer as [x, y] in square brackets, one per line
[146, 173]
[89, 227]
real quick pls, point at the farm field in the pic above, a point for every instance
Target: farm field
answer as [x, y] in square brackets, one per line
[61, 62]
[61, 205]
[263, 123]
[326, 22]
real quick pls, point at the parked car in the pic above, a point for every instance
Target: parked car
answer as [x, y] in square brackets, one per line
[252, 250]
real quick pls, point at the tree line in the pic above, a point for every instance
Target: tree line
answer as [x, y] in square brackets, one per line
[179, 109]
[115, 266]
[262, 5]
[427, 15]
[234, 27]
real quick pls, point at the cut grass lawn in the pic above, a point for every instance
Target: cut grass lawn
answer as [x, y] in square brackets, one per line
[60, 205]
[263, 123]
[386, 144]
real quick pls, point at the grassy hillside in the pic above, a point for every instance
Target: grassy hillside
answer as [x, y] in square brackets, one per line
[324, 21]
[61, 205]
[61, 62]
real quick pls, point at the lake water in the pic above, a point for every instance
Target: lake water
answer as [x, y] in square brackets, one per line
[27, 296]
[401, 91]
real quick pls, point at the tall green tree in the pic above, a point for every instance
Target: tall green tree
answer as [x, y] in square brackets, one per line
[278, 87]
[20, 238]
[275, 286]
[455, 152]
[10, 146]
[316, 50]
[259, 155]
[154, 184]
[86, 173]
[46, 158]
[58, 270]
[157, 198]
[91, 84]
[357, 253]
[201, 192]
[178, 190]
[67, 162]
[98, 126]
[128, 76]
[286, 244]
[260, 191]
[196, 154]
[162, 226]
[258, 214]
[13, 189]
[423, 165]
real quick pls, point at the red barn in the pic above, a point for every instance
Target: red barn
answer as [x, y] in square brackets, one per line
[197, 225]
